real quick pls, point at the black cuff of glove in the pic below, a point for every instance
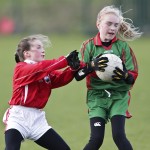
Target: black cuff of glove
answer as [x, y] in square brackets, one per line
[89, 68]
[130, 79]
[83, 72]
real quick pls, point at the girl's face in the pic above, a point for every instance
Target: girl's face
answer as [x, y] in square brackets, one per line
[36, 52]
[108, 27]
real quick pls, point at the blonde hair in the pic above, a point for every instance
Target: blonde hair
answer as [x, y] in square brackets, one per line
[127, 31]
[25, 43]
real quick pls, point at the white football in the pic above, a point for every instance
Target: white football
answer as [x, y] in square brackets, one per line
[114, 61]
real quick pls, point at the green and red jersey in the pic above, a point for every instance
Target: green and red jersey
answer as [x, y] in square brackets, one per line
[93, 47]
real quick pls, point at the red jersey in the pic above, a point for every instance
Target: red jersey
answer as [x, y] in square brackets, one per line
[33, 82]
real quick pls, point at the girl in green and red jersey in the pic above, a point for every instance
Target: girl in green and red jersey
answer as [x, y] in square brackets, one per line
[109, 100]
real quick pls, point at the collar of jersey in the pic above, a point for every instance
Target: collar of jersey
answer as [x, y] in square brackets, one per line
[30, 61]
[98, 42]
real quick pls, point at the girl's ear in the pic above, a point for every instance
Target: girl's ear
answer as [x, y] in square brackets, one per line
[26, 54]
[97, 24]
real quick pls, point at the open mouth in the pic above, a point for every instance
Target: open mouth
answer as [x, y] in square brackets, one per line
[111, 33]
[42, 56]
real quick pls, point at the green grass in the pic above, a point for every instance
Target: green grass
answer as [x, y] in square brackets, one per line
[66, 110]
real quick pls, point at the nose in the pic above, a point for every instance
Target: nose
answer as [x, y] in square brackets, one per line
[43, 51]
[112, 27]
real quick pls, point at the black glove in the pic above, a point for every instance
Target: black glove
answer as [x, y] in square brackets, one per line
[82, 73]
[99, 63]
[96, 64]
[122, 75]
[73, 60]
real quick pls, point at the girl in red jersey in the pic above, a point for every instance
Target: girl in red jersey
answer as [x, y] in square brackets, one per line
[33, 80]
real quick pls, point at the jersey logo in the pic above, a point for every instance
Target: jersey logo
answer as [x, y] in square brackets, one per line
[81, 73]
[47, 79]
[97, 124]
[109, 51]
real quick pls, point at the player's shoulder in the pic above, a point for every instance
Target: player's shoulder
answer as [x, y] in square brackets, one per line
[87, 44]
[121, 43]
[20, 64]
[88, 41]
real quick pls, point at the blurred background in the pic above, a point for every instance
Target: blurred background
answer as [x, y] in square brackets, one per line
[68, 23]
[65, 16]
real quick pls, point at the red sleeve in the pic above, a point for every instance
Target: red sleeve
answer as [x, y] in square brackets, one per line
[61, 78]
[27, 73]
[82, 64]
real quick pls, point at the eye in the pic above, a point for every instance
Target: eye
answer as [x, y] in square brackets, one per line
[38, 47]
[116, 24]
[109, 23]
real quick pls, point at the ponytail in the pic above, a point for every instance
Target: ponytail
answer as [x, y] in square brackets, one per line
[17, 58]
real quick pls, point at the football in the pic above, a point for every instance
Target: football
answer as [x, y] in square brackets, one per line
[114, 61]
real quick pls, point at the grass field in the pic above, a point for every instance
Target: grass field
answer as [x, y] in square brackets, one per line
[66, 110]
